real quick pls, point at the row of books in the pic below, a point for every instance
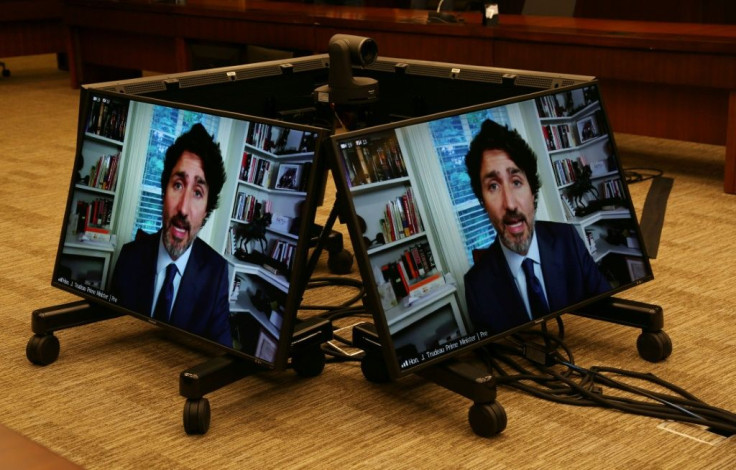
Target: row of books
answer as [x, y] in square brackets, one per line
[612, 189]
[401, 218]
[566, 170]
[256, 170]
[104, 173]
[283, 252]
[268, 174]
[107, 118]
[233, 241]
[414, 273]
[559, 136]
[565, 104]
[371, 161]
[248, 208]
[280, 140]
[558, 105]
[93, 219]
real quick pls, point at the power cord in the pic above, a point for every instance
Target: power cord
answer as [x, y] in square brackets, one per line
[638, 175]
[560, 380]
[338, 349]
[335, 281]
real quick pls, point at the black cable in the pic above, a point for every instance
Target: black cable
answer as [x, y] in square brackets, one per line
[634, 390]
[645, 409]
[685, 399]
[334, 312]
[335, 281]
[578, 386]
[637, 175]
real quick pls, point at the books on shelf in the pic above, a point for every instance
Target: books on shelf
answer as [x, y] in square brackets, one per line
[247, 207]
[279, 140]
[613, 189]
[93, 217]
[565, 104]
[559, 136]
[413, 273]
[103, 174]
[566, 170]
[268, 174]
[283, 252]
[373, 160]
[257, 170]
[107, 118]
[401, 217]
[569, 207]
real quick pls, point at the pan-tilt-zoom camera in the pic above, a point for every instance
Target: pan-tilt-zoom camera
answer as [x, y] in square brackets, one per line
[345, 52]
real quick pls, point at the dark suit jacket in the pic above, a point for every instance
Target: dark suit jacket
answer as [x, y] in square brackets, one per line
[202, 302]
[570, 276]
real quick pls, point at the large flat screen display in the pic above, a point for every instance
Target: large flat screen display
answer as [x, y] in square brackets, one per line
[122, 222]
[472, 224]
[191, 218]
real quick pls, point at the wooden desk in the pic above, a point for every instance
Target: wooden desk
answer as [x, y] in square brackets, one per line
[140, 35]
[30, 27]
[20, 453]
[671, 80]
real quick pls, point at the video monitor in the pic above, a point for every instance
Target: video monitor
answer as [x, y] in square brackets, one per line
[192, 218]
[472, 224]
[268, 126]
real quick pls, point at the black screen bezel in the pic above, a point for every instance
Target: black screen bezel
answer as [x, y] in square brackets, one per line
[297, 284]
[372, 298]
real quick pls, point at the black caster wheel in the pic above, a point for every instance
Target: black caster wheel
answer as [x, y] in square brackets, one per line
[308, 362]
[654, 346]
[42, 350]
[374, 368]
[6, 73]
[196, 415]
[487, 419]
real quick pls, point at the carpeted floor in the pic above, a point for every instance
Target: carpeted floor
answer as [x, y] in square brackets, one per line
[111, 401]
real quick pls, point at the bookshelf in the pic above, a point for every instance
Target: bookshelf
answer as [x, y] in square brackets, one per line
[589, 191]
[262, 234]
[400, 244]
[90, 240]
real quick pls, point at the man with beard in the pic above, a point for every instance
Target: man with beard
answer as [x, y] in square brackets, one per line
[533, 267]
[173, 276]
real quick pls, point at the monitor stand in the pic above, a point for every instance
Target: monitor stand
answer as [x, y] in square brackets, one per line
[307, 360]
[486, 416]
[307, 357]
[43, 347]
[653, 344]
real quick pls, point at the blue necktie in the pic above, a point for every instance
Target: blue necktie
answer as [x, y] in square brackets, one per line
[535, 293]
[166, 295]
